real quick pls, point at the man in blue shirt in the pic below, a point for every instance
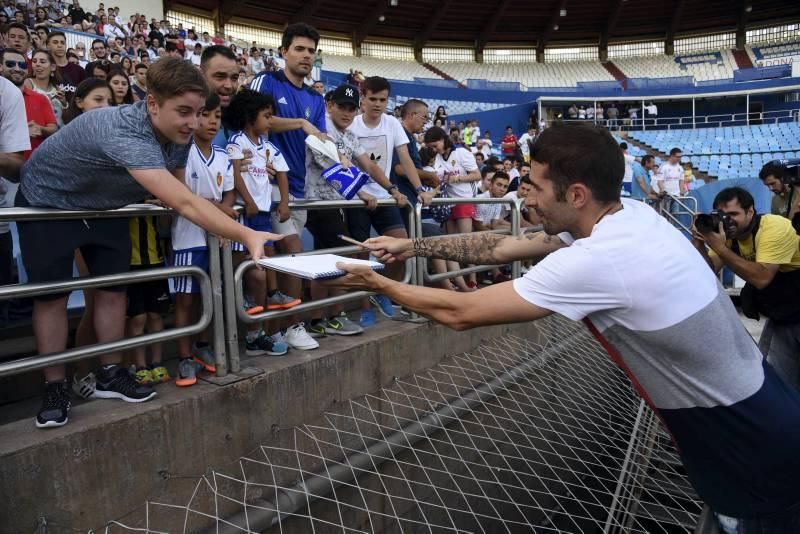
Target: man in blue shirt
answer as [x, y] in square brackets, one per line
[640, 186]
[299, 112]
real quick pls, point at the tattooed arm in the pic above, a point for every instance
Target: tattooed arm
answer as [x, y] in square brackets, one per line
[477, 248]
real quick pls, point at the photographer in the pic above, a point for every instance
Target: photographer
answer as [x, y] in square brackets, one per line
[780, 177]
[762, 250]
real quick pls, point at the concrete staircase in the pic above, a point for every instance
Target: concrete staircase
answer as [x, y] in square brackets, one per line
[617, 73]
[742, 58]
[442, 74]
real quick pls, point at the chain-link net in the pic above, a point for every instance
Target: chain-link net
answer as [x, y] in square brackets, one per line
[519, 435]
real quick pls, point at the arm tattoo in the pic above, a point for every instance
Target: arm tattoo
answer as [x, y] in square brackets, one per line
[475, 248]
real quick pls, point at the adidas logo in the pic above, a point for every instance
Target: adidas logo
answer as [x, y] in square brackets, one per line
[282, 100]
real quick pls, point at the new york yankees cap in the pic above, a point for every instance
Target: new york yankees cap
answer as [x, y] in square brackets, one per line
[346, 94]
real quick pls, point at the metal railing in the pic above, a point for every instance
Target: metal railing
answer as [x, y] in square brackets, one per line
[672, 207]
[221, 289]
[697, 121]
[22, 365]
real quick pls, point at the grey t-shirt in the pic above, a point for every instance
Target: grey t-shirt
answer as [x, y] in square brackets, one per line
[85, 165]
[317, 188]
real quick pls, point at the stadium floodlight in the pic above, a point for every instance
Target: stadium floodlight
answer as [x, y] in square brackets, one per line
[562, 13]
[555, 27]
[393, 3]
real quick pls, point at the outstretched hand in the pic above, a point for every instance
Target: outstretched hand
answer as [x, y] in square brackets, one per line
[389, 249]
[357, 277]
[255, 242]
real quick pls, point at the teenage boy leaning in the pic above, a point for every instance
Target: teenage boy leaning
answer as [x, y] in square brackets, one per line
[145, 147]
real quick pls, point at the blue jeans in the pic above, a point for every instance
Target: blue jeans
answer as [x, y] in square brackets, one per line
[786, 522]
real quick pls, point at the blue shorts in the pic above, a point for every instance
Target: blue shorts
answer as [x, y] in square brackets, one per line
[261, 222]
[383, 219]
[197, 257]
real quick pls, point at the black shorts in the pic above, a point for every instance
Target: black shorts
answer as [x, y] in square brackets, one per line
[148, 297]
[326, 226]
[48, 248]
[383, 219]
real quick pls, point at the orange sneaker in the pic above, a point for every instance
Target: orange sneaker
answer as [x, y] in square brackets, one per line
[187, 373]
[281, 301]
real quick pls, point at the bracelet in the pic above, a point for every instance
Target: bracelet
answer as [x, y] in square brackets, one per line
[392, 188]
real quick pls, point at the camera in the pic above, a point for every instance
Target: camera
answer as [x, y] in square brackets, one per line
[709, 222]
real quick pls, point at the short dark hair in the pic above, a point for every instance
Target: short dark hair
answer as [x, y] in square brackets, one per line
[647, 158]
[525, 180]
[216, 50]
[411, 105]
[376, 84]
[172, 76]
[525, 164]
[212, 101]
[426, 154]
[169, 46]
[299, 29]
[493, 161]
[675, 151]
[245, 107]
[501, 174]
[140, 66]
[509, 126]
[581, 153]
[101, 41]
[623, 145]
[55, 34]
[19, 26]
[771, 169]
[734, 193]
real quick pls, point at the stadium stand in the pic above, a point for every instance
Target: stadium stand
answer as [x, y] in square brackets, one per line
[561, 74]
[773, 51]
[393, 69]
[729, 152]
[705, 66]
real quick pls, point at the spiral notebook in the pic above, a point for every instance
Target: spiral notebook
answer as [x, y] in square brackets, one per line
[317, 267]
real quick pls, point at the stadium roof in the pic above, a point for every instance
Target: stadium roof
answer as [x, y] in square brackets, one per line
[531, 22]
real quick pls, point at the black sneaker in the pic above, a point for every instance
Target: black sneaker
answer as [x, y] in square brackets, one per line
[118, 383]
[55, 406]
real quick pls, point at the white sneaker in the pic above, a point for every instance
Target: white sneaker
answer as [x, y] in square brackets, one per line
[297, 338]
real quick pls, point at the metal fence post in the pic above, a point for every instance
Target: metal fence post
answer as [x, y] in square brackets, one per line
[229, 305]
[217, 318]
[516, 216]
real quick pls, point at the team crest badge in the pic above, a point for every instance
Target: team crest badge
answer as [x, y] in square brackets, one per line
[219, 179]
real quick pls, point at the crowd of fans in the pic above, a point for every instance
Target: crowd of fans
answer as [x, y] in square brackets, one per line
[611, 114]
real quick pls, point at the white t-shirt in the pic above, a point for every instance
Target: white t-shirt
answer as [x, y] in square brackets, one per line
[195, 59]
[672, 176]
[628, 177]
[208, 179]
[505, 210]
[256, 65]
[379, 144]
[256, 178]
[13, 133]
[523, 143]
[486, 148]
[460, 163]
[486, 213]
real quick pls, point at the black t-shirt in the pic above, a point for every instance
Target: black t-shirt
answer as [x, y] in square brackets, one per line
[71, 75]
[77, 14]
[155, 34]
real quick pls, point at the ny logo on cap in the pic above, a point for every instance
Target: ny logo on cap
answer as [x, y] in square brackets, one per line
[348, 92]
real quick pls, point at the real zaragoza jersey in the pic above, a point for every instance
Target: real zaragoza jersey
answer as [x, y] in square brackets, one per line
[295, 103]
[206, 178]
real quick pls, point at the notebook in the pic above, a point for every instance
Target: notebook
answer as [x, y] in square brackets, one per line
[318, 267]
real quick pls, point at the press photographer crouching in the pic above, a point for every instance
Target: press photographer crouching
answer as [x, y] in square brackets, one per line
[782, 178]
[763, 251]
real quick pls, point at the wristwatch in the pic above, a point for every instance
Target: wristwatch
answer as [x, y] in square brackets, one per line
[420, 189]
[391, 188]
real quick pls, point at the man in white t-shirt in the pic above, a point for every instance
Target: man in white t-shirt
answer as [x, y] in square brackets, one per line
[671, 174]
[14, 140]
[484, 144]
[525, 142]
[627, 179]
[489, 216]
[730, 415]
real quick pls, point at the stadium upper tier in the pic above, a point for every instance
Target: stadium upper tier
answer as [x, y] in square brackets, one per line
[729, 152]
[394, 69]
[704, 66]
[562, 74]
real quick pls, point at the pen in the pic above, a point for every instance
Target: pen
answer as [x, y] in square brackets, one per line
[351, 240]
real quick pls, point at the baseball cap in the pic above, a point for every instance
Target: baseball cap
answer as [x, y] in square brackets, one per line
[345, 94]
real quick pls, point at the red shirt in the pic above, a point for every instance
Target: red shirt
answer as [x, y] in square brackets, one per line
[509, 139]
[39, 110]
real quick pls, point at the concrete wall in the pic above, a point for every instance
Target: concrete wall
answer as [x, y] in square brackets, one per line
[112, 457]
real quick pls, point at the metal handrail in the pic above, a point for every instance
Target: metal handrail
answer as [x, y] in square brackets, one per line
[31, 290]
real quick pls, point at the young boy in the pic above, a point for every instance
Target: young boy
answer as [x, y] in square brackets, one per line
[149, 301]
[208, 175]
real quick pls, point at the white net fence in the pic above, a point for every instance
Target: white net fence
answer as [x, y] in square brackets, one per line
[519, 435]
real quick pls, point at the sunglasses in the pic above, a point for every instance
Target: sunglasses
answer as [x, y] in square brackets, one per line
[21, 64]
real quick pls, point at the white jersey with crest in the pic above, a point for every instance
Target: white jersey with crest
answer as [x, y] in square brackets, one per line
[206, 178]
[256, 177]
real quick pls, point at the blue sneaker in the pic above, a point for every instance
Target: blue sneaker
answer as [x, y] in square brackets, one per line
[384, 305]
[367, 319]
